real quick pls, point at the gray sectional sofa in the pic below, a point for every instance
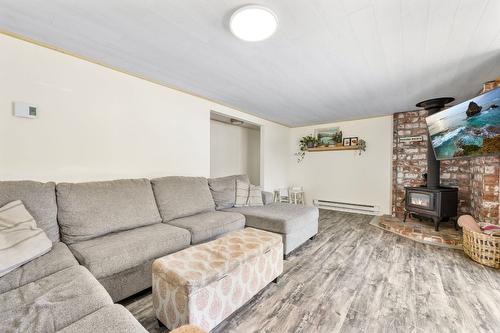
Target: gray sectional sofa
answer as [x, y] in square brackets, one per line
[53, 292]
[107, 234]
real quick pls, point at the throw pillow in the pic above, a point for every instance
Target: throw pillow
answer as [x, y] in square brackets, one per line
[242, 189]
[255, 196]
[20, 239]
[224, 189]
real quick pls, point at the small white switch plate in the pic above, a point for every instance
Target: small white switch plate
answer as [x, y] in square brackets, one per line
[25, 110]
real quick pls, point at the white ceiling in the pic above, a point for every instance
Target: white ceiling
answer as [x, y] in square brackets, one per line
[330, 60]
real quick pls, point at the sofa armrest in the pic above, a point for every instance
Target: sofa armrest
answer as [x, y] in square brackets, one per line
[267, 197]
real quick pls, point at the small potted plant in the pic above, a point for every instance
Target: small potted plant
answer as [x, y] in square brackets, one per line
[305, 143]
[309, 141]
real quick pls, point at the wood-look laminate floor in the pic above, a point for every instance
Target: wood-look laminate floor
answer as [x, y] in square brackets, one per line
[354, 277]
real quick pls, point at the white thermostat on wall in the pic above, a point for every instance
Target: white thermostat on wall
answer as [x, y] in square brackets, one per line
[25, 110]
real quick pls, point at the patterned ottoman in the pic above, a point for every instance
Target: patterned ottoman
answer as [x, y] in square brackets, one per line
[204, 284]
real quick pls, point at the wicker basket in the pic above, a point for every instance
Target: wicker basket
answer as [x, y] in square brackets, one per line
[483, 248]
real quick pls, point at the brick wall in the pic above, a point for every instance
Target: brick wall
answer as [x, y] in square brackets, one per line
[409, 160]
[477, 179]
[485, 200]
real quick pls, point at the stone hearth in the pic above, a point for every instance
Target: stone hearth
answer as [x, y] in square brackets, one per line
[421, 231]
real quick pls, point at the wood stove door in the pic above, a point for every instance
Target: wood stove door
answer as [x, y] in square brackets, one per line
[419, 200]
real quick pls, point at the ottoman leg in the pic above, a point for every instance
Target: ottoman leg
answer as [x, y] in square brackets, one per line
[276, 280]
[313, 237]
[160, 324]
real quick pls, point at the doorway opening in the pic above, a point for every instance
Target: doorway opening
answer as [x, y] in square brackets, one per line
[234, 147]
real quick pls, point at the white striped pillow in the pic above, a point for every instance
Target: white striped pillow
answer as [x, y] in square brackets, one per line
[241, 193]
[20, 239]
[255, 196]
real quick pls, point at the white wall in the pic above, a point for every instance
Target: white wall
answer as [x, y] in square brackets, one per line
[96, 123]
[275, 152]
[253, 156]
[344, 175]
[234, 150]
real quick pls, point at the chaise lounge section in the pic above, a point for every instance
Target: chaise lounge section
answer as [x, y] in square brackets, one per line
[296, 224]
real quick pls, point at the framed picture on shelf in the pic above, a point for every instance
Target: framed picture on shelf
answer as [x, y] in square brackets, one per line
[328, 136]
[347, 142]
[354, 141]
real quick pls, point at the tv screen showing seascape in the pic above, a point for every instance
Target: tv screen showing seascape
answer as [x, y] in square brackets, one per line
[471, 128]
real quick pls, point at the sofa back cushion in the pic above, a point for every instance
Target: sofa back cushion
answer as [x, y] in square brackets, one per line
[242, 189]
[89, 210]
[38, 198]
[224, 190]
[255, 196]
[182, 196]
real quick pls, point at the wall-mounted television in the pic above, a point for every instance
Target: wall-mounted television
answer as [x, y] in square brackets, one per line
[471, 128]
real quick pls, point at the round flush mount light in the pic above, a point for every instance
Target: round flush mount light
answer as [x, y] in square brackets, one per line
[236, 122]
[253, 23]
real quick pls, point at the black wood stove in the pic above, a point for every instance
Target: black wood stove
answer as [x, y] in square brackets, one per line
[432, 200]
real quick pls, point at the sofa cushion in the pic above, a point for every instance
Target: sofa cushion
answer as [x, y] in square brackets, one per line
[278, 217]
[208, 226]
[53, 261]
[128, 282]
[89, 210]
[119, 251]
[53, 302]
[255, 196]
[224, 190]
[111, 318]
[20, 239]
[267, 197]
[38, 198]
[182, 196]
[242, 190]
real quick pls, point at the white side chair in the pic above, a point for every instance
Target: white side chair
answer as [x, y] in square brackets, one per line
[297, 195]
[282, 195]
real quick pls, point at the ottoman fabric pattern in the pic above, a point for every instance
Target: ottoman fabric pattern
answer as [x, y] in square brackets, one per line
[204, 284]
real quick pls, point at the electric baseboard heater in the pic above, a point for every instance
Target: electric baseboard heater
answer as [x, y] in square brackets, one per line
[347, 206]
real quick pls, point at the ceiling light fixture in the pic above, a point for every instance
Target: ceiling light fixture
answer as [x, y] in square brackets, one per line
[253, 23]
